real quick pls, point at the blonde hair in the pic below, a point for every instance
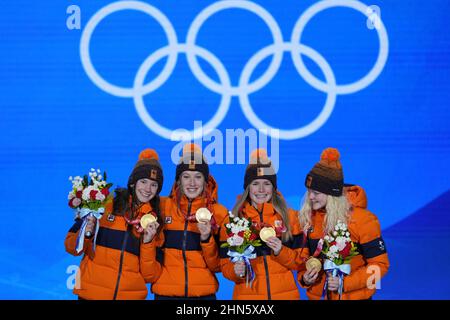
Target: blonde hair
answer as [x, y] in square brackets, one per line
[278, 203]
[337, 208]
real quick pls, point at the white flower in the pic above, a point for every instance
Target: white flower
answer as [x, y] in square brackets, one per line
[326, 238]
[236, 219]
[92, 169]
[236, 229]
[347, 234]
[333, 249]
[344, 227]
[230, 241]
[98, 170]
[335, 233]
[341, 243]
[71, 195]
[228, 225]
[230, 214]
[86, 193]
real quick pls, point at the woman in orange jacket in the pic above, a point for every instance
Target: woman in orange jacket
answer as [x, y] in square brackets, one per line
[327, 202]
[184, 266]
[275, 259]
[114, 270]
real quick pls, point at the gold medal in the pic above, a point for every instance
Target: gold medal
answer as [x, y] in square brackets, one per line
[147, 219]
[203, 215]
[313, 264]
[266, 233]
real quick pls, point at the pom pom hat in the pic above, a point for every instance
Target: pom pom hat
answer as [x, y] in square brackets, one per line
[147, 166]
[326, 176]
[260, 167]
[192, 160]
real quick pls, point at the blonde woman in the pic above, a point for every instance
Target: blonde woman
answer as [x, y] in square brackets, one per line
[325, 203]
[263, 204]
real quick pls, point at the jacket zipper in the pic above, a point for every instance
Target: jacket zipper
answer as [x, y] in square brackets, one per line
[184, 250]
[124, 243]
[266, 266]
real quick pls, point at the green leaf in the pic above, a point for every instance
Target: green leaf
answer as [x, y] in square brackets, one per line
[224, 245]
[104, 175]
[85, 181]
[109, 185]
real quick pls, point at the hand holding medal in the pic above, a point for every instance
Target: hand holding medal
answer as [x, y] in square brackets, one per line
[203, 217]
[150, 225]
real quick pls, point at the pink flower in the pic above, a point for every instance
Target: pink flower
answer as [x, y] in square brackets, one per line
[99, 196]
[74, 202]
[237, 241]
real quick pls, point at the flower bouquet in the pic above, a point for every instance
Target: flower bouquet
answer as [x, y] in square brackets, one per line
[241, 242]
[338, 250]
[88, 198]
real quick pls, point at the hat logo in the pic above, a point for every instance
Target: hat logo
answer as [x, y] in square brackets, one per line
[153, 174]
[192, 165]
[309, 181]
[168, 220]
[110, 217]
[260, 172]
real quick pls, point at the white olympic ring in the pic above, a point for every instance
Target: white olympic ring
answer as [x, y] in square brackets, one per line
[224, 87]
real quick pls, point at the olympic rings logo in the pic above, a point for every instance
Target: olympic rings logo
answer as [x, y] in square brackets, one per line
[224, 87]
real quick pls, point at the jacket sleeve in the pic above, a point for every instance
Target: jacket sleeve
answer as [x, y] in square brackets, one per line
[71, 241]
[303, 255]
[373, 250]
[150, 260]
[210, 253]
[210, 247]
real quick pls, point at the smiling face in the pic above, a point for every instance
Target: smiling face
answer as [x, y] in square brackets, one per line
[192, 183]
[318, 200]
[260, 191]
[146, 189]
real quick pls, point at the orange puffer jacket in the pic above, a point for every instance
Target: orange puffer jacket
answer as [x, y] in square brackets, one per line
[114, 270]
[273, 276]
[184, 266]
[372, 260]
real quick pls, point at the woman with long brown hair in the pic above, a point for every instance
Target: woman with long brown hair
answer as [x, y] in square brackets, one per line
[272, 267]
[184, 266]
[115, 269]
